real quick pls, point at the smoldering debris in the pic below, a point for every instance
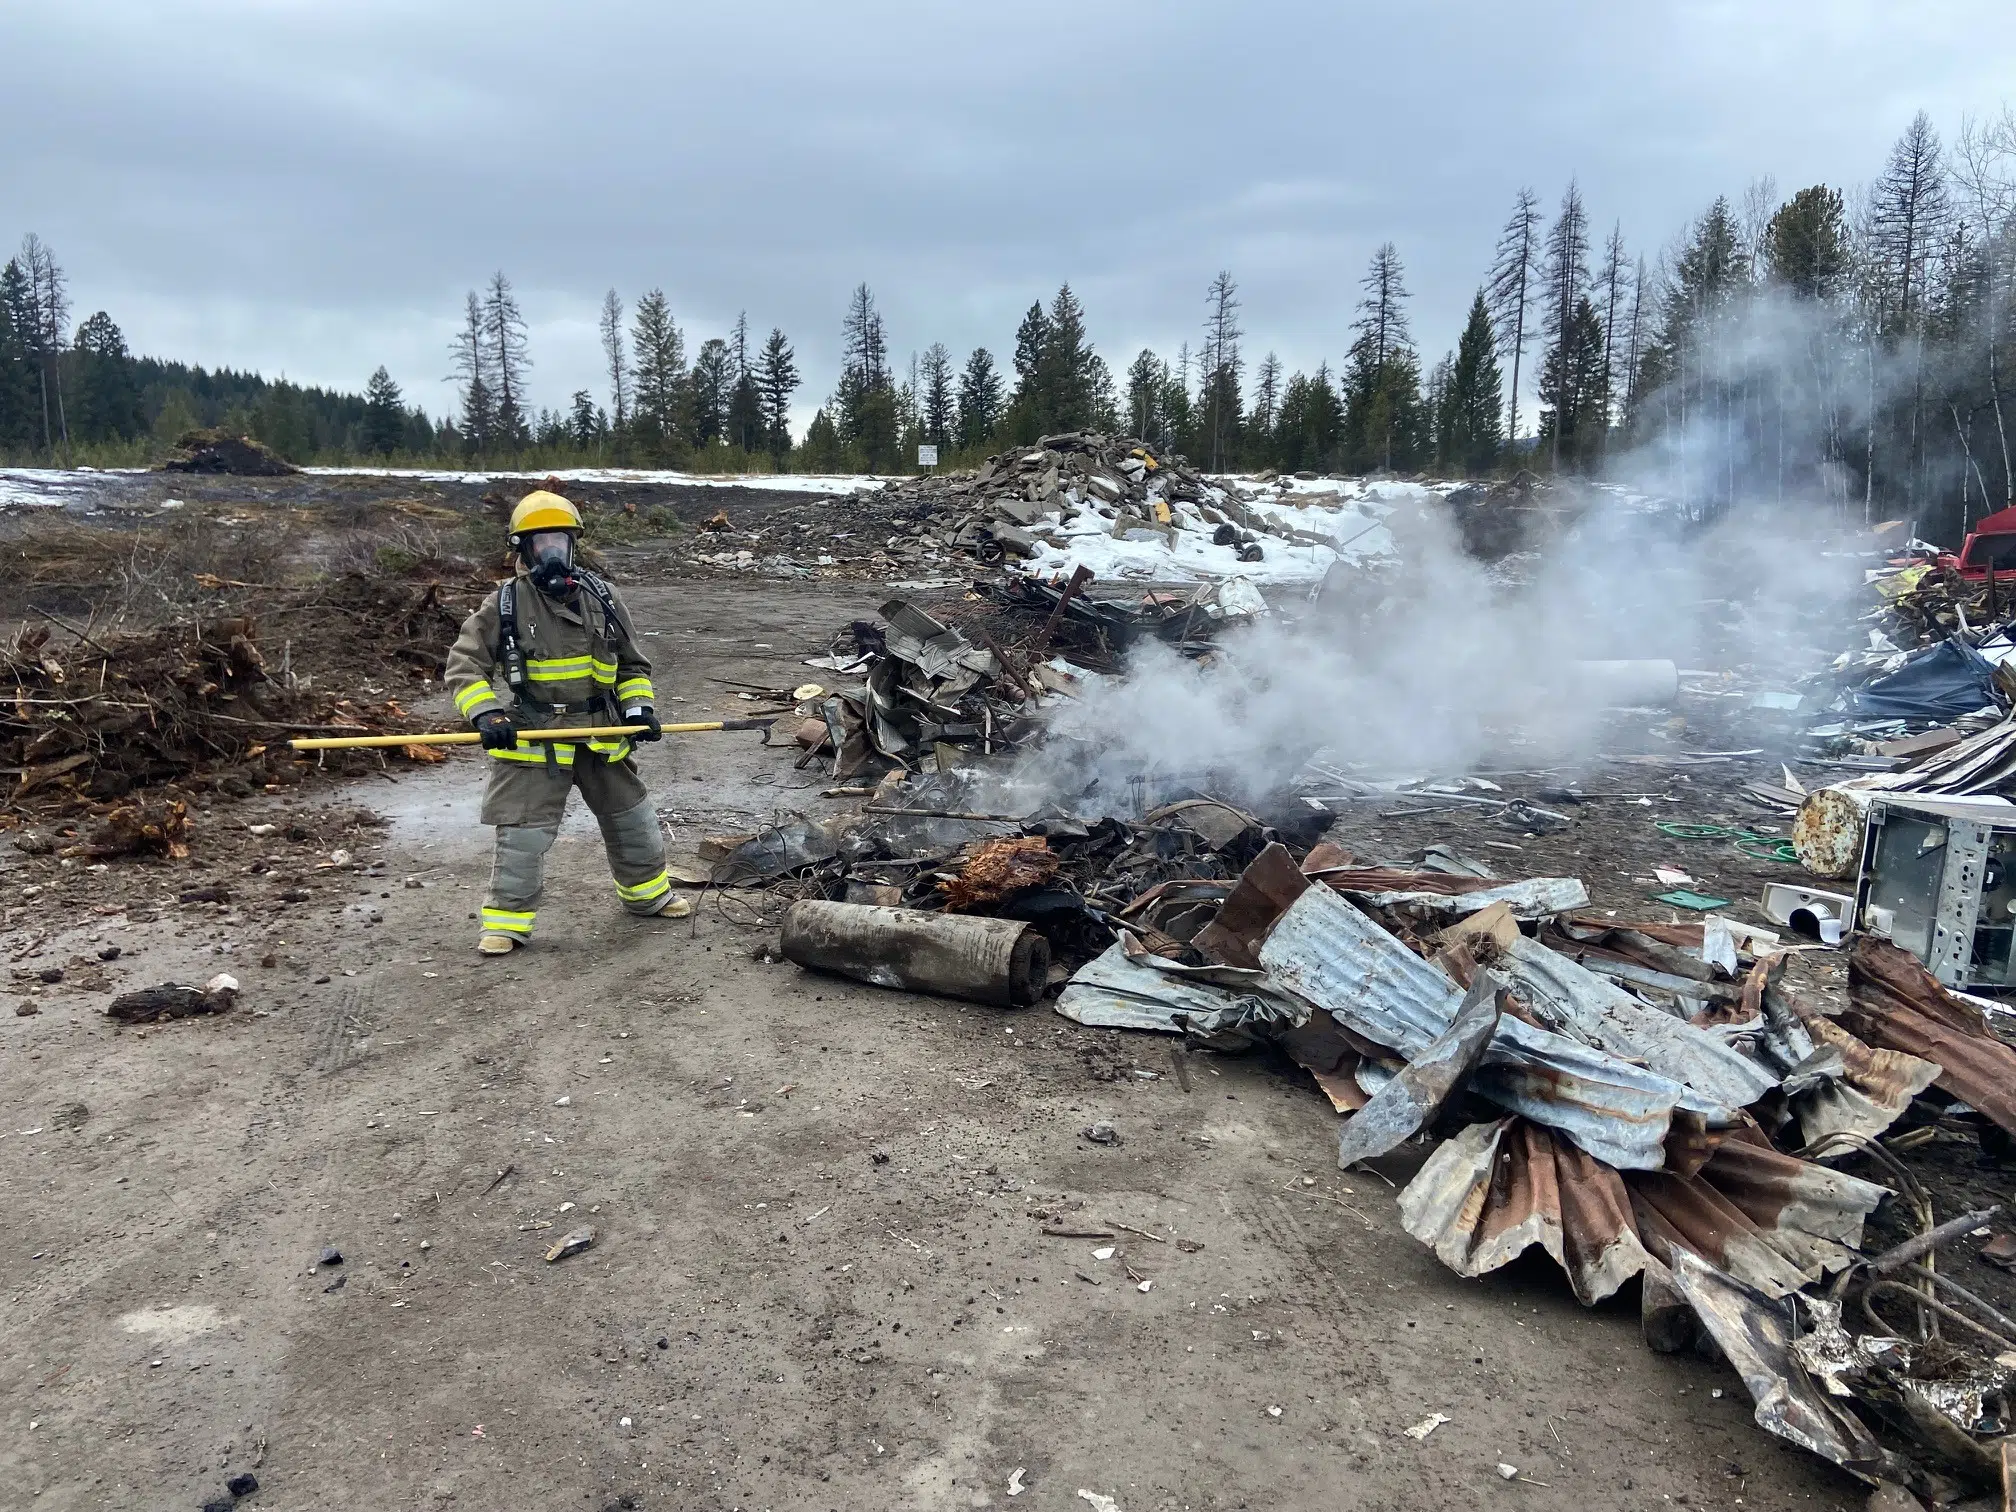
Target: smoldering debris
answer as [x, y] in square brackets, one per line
[1644, 1101]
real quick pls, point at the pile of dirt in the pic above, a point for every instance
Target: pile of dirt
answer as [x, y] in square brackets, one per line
[218, 451]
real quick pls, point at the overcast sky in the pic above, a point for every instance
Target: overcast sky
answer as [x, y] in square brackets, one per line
[309, 188]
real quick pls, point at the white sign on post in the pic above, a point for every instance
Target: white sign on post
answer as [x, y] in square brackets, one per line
[927, 456]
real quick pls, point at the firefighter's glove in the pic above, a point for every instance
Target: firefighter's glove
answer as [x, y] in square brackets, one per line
[497, 732]
[648, 718]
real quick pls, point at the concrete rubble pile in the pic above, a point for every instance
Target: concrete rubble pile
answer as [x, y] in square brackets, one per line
[1030, 502]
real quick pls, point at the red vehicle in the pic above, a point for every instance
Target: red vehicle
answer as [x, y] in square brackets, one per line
[1990, 547]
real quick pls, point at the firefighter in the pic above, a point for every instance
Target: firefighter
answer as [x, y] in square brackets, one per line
[569, 657]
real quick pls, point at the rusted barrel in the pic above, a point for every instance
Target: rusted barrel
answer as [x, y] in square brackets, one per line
[999, 961]
[1828, 832]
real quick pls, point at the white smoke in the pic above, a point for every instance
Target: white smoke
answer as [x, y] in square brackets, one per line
[1433, 662]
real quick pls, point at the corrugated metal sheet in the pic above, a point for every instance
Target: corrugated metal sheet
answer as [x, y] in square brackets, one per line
[1534, 898]
[1772, 1221]
[1894, 1003]
[1328, 952]
[1598, 1012]
[1497, 1189]
[1413, 1097]
[1116, 991]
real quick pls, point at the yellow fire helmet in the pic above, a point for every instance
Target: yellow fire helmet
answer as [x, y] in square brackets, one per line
[541, 510]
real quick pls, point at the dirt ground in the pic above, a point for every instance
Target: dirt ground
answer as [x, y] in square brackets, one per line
[819, 1278]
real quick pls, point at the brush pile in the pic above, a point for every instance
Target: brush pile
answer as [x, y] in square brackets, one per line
[95, 717]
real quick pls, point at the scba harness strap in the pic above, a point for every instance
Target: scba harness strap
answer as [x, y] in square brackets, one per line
[518, 676]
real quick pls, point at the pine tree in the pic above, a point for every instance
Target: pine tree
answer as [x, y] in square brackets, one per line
[822, 452]
[1266, 408]
[776, 381]
[108, 396]
[1147, 377]
[658, 372]
[586, 425]
[1615, 281]
[712, 386]
[1806, 244]
[1219, 403]
[745, 402]
[472, 370]
[1383, 420]
[979, 399]
[1032, 339]
[940, 414]
[1310, 430]
[504, 335]
[1105, 398]
[615, 362]
[1564, 280]
[384, 415]
[1067, 392]
[1469, 426]
[863, 419]
[42, 317]
[1571, 389]
[1510, 291]
[1179, 419]
[1908, 217]
[17, 379]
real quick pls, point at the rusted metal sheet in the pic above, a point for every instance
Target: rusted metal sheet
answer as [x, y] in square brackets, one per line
[1497, 1189]
[1598, 1012]
[1268, 885]
[1330, 954]
[1894, 1003]
[1756, 1333]
[1874, 1087]
[1413, 1097]
[1773, 1221]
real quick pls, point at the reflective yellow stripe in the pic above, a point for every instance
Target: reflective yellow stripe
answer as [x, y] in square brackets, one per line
[635, 690]
[644, 892]
[472, 695]
[567, 668]
[611, 750]
[503, 921]
[563, 753]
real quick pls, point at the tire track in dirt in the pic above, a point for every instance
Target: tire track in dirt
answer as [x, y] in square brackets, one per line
[342, 1038]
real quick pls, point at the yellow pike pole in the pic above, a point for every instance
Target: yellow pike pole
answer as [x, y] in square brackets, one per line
[470, 737]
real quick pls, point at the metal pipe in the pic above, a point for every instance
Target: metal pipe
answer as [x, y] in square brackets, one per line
[998, 961]
[1911, 1249]
[470, 737]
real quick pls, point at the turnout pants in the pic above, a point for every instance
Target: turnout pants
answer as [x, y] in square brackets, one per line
[525, 801]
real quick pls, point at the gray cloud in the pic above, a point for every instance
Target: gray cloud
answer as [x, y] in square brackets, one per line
[309, 188]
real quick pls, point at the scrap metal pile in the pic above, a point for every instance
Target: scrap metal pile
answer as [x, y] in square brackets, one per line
[1636, 1099]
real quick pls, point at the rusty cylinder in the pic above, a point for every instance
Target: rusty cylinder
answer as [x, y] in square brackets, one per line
[999, 961]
